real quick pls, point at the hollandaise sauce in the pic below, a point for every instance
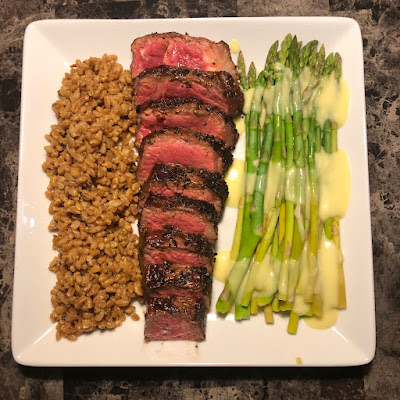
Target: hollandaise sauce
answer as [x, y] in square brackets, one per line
[234, 179]
[223, 265]
[234, 46]
[333, 101]
[327, 284]
[334, 176]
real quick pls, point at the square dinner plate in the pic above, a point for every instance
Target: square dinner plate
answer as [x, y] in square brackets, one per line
[50, 47]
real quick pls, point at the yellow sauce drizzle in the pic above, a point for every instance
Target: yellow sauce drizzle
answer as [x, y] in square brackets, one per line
[334, 181]
[223, 265]
[234, 179]
[248, 98]
[234, 46]
[333, 101]
[304, 78]
[268, 99]
[240, 126]
[328, 258]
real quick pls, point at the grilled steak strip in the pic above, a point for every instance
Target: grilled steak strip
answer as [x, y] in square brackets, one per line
[215, 88]
[174, 238]
[182, 146]
[158, 247]
[173, 180]
[156, 255]
[184, 113]
[181, 51]
[188, 215]
[175, 318]
[179, 280]
[170, 277]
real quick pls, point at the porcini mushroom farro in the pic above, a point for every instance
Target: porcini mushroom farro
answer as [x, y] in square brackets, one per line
[93, 193]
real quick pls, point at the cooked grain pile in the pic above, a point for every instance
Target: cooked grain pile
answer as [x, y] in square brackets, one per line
[93, 193]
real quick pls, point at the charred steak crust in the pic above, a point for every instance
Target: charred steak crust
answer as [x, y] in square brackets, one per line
[191, 107]
[181, 174]
[230, 88]
[222, 80]
[185, 276]
[218, 52]
[163, 203]
[173, 238]
[183, 177]
[176, 102]
[216, 144]
[190, 308]
[193, 279]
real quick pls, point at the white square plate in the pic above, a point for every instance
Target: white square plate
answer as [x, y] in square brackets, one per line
[50, 47]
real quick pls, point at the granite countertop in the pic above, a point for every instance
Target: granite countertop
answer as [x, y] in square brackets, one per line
[379, 21]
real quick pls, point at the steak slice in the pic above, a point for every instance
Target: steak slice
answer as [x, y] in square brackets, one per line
[175, 247]
[216, 88]
[182, 146]
[188, 215]
[181, 51]
[173, 180]
[183, 113]
[175, 318]
[177, 279]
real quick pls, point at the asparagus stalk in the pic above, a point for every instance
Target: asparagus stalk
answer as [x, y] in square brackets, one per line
[332, 225]
[257, 209]
[280, 108]
[258, 206]
[251, 162]
[297, 277]
[239, 221]
[290, 177]
[342, 302]
[248, 239]
[266, 294]
[242, 71]
[314, 210]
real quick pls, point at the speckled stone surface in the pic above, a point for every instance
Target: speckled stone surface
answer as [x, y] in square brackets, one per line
[379, 21]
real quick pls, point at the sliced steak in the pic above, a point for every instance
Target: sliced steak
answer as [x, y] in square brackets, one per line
[173, 180]
[160, 255]
[175, 247]
[215, 88]
[191, 114]
[188, 215]
[175, 318]
[177, 279]
[182, 146]
[181, 51]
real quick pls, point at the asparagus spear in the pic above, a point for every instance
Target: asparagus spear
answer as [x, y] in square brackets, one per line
[242, 71]
[298, 277]
[314, 211]
[257, 207]
[248, 239]
[332, 225]
[251, 160]
[281, 108]
[257, 212]
[297, 60]
[290, 177]
[342, 303]
[252, 218]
